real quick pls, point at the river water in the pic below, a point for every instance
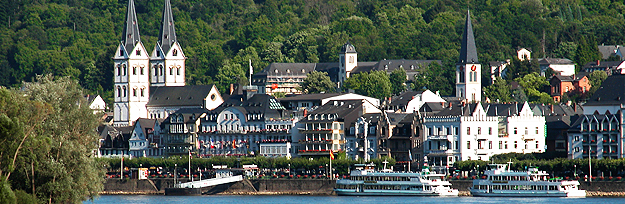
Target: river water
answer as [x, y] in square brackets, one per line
[155, 199]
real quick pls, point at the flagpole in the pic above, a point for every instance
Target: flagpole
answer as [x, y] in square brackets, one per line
[331, 157]
[122, 169]
[251, 71]
[191, 177]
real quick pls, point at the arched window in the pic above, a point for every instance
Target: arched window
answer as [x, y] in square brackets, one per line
[119, 91]
[171, 71]
[155, 70]
[175, 52]
[141, 70]
[178, 71]
[142, 92]
[134, 92]
[160, 70]
[124, 69]
[134, 70]
[119, 70]
[124, 87]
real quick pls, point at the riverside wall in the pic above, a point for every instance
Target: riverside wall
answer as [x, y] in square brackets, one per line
[303, 187]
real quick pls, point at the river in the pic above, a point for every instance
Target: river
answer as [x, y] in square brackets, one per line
[155, 199]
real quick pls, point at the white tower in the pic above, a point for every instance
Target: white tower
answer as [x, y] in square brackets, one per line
[167, 60]
[468, 68]
[348, 59]
[131, 63]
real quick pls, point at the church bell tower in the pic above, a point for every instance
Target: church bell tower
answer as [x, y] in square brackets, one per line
[468, 68]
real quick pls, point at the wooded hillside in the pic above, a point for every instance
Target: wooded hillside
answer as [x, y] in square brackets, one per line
[77, 38]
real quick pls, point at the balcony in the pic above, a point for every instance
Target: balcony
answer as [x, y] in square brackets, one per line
[322, 141]
[314, 152]
[445, 152]
[315, 131]
[440, 137]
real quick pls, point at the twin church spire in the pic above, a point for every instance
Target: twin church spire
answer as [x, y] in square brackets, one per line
[136, 70]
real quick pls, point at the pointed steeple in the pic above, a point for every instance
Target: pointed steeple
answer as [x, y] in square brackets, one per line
[468, 52]
[167, 35]
[130, 35]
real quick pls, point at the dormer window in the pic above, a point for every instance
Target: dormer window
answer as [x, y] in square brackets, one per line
[175, 52]
[121, 52]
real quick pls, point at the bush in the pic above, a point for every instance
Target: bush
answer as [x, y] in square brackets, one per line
[23, 197]
[6, 194]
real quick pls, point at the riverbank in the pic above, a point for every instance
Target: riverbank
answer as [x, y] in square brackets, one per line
[303, 187]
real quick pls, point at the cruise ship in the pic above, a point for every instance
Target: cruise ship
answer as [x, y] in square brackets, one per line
[501, 181]
[365, 181]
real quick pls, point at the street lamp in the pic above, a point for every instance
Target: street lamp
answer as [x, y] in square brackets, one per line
[575, 172]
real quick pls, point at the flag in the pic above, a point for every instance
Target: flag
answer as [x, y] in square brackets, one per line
[234, 143]
[189, 153]
[251, 68]
[409, 155]
[331, 155]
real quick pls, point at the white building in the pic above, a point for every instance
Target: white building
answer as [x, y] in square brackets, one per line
[135, 70]
[479, 131]
[411, 101]
[561, 66]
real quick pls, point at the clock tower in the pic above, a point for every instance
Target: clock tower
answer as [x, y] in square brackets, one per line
[468, 68]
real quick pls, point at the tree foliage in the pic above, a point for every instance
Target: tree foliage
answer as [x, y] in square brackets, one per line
[78, 38]
[47, 138]
[317, 82]
[398, 81]
[374, 84]
[499, 91]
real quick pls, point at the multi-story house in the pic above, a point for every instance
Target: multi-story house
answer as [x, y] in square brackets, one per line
[114, 141]
[258, 125]
[411, 101]
[575, 84]
[479, 131]
[180, 131]
[397, 139]
[595, 136]
[332, 127]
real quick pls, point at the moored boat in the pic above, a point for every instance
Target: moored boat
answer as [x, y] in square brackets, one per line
[364, 180]
[503, 182]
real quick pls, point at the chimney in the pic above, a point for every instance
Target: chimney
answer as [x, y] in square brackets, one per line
[305, 112]
[598, 62]
[443, 104]
[231, 88]
[551, 108]
[575, 108]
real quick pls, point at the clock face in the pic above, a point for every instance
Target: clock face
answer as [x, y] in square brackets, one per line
[473, 67]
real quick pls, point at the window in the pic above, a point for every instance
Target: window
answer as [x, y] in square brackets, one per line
[500, 145]
[468, 130]
[124, 91]
[178, 71]
[515, 130]
[119, 91]
[515, 144]
[576, 149]
[351, 59]
[448, 131]
[456, 131]
[526, 131]
[134, 70]
[576, 138]
[124, 69]
[456, 145]
[175, 52]
[121, 52]
[490, 130]
[468, 144]
[119, 70]
[138, 52]
[142, 90]
[141, 71]
[134, 92]
[479, 130]
[171, 71]
[430, 131]
[537, 130]
[490, 144]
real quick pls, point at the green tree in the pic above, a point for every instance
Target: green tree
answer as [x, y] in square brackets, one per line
[498, 91]
[317, 82]
[596, 78]
[374, 84]
[398, 81]
[532, 85]
[54, 130]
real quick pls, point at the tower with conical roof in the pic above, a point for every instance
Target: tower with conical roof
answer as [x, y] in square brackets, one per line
[131, 63]
[468, 68]
[348, 60]
[167, 60]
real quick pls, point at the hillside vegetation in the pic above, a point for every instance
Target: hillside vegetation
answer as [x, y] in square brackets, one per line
[77, 38]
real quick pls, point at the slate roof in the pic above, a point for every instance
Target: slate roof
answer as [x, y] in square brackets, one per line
[396, 118]
[546, 61]
[609, 50]
[258, 103]
[130, 34]
[603, 65]
[309, 97]
[468, 51]
[611, 92]
[570, 78]
[192, 95]
[404, 98]
[342, 108]
[348, 48]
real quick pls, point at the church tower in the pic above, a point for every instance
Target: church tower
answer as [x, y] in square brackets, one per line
[468, 68]
[167, 60]
[348, 60]
[131, 63]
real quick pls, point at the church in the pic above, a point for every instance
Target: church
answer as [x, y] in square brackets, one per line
[152, 84]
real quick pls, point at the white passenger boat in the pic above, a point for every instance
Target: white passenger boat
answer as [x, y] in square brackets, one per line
[501, 181]
[364, 180]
